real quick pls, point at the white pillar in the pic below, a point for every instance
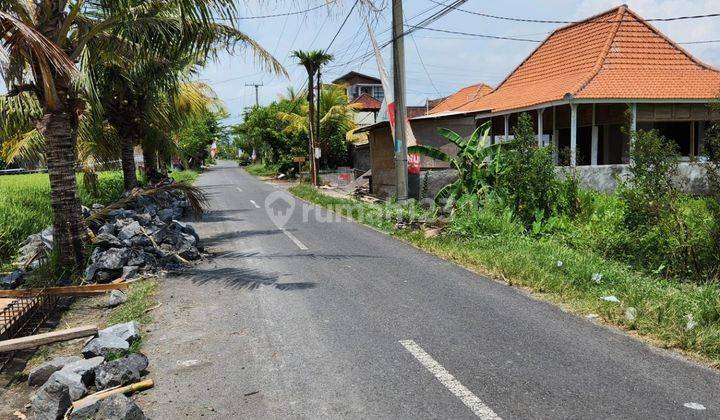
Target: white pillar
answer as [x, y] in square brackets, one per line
[555, 137]
[507, 127]
[540, 126]
[633, 125]
[594, 149]
[573, 134]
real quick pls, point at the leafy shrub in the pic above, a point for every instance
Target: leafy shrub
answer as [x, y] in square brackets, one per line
[649, 192]
[529, 180]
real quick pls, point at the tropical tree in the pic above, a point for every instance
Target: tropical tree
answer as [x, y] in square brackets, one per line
[312, 61]
[47, 51]
[337, 121]
[479, 166]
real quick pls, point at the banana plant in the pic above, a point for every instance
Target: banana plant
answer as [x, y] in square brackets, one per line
[478, 165]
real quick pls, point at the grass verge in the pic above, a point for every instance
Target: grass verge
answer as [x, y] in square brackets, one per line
[669, 314]
[187, 176]
[141, 298]
[261, 169]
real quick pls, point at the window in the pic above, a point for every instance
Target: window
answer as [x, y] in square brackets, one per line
[378, 93]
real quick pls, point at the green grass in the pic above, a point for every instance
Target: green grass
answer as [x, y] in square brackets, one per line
[188, 176]
[261, 169]
[140, 299]
[503, 251]
[25, 205]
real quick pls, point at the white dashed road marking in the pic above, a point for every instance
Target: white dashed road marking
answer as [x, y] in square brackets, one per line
[468, 398]
[255, 204]
[239, 189]
[294, 239]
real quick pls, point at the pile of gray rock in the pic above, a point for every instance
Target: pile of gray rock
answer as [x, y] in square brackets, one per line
[142, 237]
[107, 364]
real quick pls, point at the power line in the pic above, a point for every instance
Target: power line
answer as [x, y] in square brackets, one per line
[670, 19]
[342, 25]
[298, 12]
[446, 31]
[417, 50]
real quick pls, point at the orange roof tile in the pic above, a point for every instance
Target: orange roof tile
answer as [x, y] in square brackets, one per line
[461, 97]
[366, 102]
[614, 55]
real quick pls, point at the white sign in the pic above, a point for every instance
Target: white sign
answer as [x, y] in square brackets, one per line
[318, 153]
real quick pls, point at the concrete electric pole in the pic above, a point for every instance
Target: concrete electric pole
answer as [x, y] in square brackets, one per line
[401, 155]
[257, 91]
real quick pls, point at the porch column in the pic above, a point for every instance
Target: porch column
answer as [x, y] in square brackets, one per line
[633, 126]
[555, 136]
[507, 127]
[573, 134]
[540, 126]
[594, 150]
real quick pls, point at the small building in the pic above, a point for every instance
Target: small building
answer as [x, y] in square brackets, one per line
[425, 129]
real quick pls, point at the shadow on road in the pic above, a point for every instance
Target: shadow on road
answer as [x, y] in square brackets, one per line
[237, 278]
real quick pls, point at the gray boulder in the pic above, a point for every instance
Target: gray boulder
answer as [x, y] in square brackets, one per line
[116, 373]
[50, 402]
[130, 230]
[129, 331]
[12, 280]
[85, 368]
[105, 346]
[72, 380]
[107, 228]
[112, 259]
[166, 215]
[47, 237]
[107, 276]
[85, 211]
[143, 218]
[40, 373]
[115, 407]
[106, 240]
[138, 361]
[116, 297]
[130, 271]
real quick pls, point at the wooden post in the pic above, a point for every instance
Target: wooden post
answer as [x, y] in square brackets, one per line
[540, 126]
[573, 134]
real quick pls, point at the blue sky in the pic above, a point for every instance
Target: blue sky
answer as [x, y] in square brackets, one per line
[451, 61]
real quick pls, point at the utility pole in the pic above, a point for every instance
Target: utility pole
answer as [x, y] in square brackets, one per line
[257, 91]
[317, 126]
[401, 154]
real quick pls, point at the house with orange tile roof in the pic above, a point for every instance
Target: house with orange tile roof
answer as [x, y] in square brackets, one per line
[585, 86]
[590, 79]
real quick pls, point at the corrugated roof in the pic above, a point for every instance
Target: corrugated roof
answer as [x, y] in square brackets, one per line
[462, 97]
[613, 55]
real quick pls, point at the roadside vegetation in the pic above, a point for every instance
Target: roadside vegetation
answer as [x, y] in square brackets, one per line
[645, 258]
[263, 169]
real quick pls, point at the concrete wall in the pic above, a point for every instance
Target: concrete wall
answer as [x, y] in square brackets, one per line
[691, 177]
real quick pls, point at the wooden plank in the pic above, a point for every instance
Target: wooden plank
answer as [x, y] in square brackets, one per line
[92, 289]
[33, 341]
[127, 389]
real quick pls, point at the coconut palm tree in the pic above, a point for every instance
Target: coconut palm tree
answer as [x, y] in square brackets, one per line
[312, 61]
[47, 51]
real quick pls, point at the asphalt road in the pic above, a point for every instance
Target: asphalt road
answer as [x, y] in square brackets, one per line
[330, 319]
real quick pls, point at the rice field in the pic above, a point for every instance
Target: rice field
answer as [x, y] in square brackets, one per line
[25, 206]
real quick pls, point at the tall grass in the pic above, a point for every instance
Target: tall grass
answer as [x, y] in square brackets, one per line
[261, 169]
[566, 267]
[25, 205]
